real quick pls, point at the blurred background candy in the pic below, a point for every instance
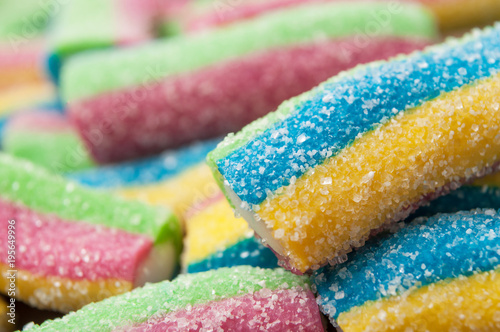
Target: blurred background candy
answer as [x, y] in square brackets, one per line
[200, 86]
[46, 138]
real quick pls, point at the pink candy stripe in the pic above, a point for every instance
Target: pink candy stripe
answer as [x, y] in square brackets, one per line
[134, 20]
[148, 119]
[224, 13]
[40, 121]
[196, 208]
[232, 11]
[266, 310]
[49, 246]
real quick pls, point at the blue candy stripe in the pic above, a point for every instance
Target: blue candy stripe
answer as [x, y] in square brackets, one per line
[463, 199]
[146, 171]
[341, 110]
[245, 252]
[423, 252]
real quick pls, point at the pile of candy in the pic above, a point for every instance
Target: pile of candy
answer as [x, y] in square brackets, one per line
[252, 165]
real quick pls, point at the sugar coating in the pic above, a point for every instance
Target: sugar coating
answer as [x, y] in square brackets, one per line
[416, 155]
[465, 198]
[59, 293]
[208, 102]
[461, 304]
[147, 171]
[24, 183]
[321, 123]
[187, 291]
[46, 138]
[265, 310]
[421, 253]
[97, 73]
[49, 246]
[421, 160]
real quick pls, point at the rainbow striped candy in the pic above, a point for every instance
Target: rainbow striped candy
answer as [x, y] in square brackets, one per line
[176, 179]
[450, 14]
[73, 245]
[46, 138]
[440, 274]
[365, 148]
[22, 83]
[84, 25]
[140, 101]
[237, 299]
[216, 238]
[482, 193]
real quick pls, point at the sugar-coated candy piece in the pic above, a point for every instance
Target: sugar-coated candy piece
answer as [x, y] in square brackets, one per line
[216, 238]
[365, 148]
[46, 138]
[177, 178]
[84, 25]
[22, 83]
[22, 65]
[142, 100]
[74, 245]
[229, 299]
[436, 274]
[482, 193]
[450, 14]
[202, 15]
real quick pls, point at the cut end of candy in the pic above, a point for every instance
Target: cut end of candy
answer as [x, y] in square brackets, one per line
[158, 266]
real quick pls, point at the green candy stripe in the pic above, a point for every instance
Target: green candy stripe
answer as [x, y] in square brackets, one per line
[233, 142]
[59, 152]
[165, 297]
[24, 183]
[22, 20]
[100, 72]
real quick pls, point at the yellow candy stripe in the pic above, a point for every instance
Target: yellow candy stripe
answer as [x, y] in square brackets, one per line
[464, 13]
[20, 76]
[462, 304]
[25, 96]
[60, 294]
[211, 229]
[384, 172]
[179, 193]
